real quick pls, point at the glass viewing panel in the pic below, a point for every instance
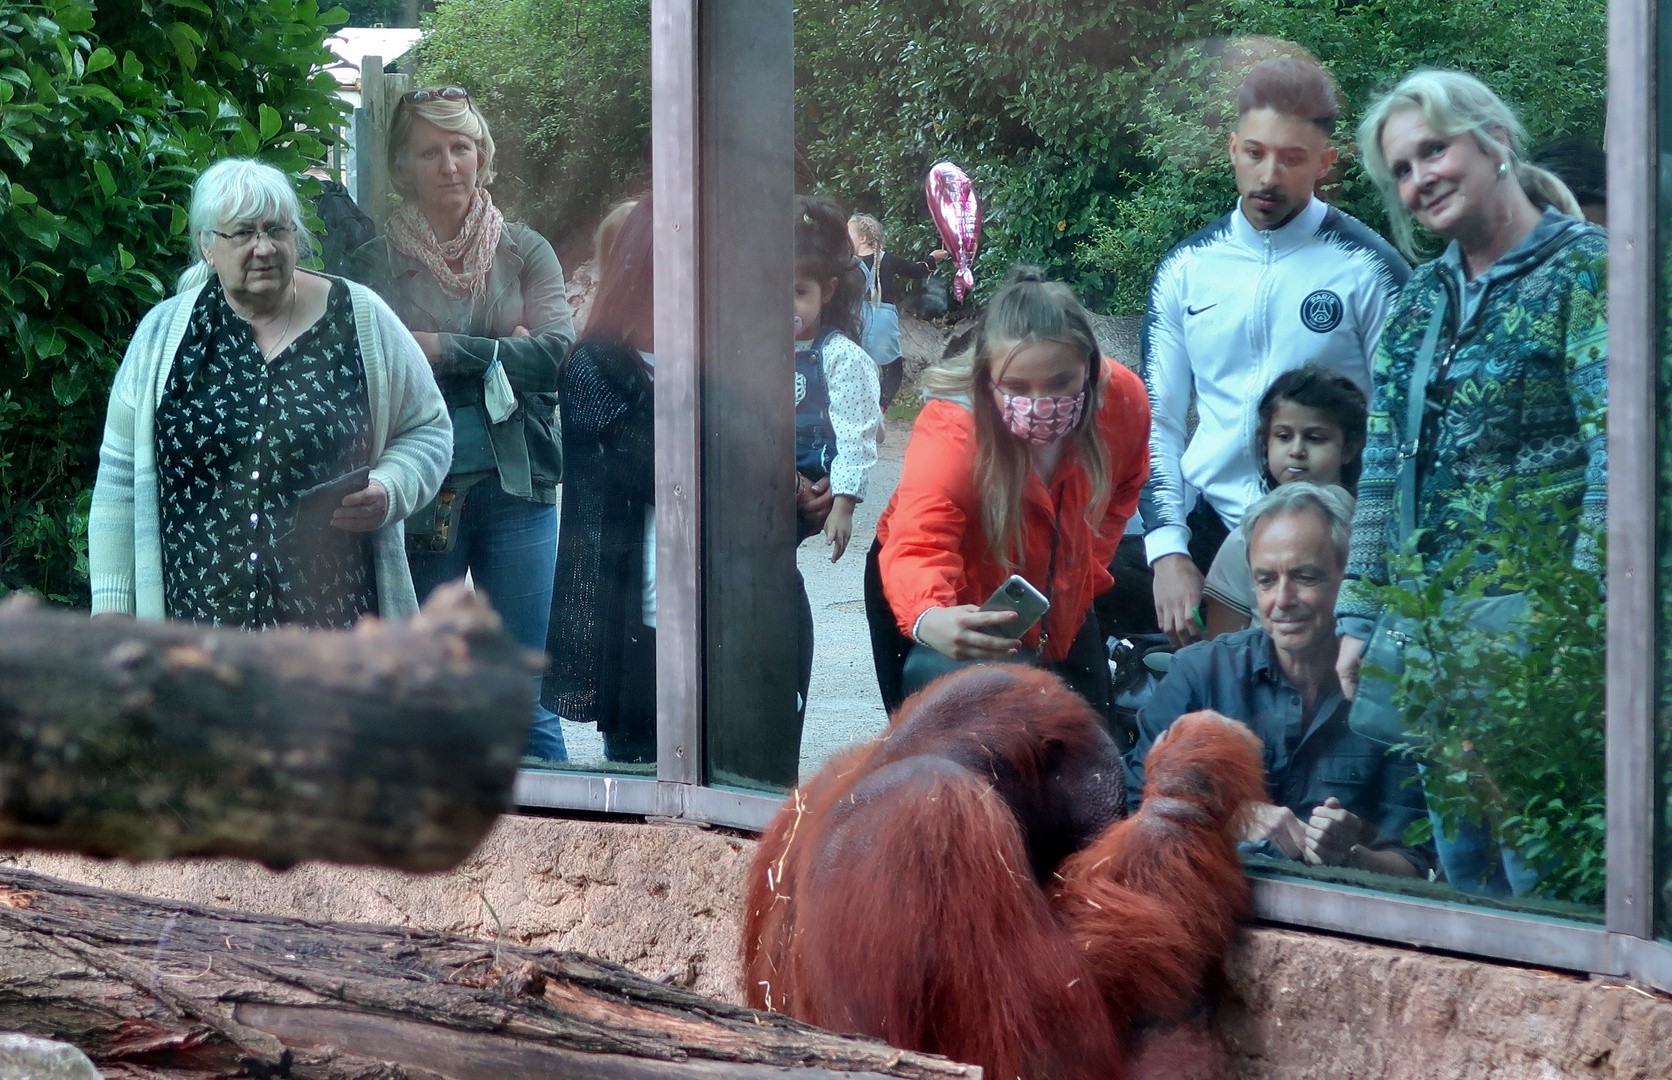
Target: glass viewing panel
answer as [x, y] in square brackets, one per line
[1663, 511]
[1492, 792]
[568, 181]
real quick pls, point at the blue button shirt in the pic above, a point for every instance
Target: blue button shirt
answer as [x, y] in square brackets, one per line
[1306, 761]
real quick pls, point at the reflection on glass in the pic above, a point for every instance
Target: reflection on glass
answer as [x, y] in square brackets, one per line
[1481, 778]
[1473, 576]
[548, 517]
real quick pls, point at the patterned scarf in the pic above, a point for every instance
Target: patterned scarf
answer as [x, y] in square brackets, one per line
[475, 244]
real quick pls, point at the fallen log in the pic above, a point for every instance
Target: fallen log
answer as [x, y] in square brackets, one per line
[395, 743]
[164, 990]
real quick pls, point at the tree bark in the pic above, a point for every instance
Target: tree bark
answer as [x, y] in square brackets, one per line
[395, 743]
[160, 990]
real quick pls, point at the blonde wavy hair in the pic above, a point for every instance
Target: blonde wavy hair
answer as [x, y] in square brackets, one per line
[461, 117]
[1028, 310]
[1453, 103]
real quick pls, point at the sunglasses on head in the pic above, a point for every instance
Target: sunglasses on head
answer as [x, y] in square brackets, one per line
[445, 93]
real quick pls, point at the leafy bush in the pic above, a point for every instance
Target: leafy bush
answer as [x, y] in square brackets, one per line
[1094, 132]
[565, 85]
[106, 116]
[372, 12]
[1511, 724]
[1039, 103]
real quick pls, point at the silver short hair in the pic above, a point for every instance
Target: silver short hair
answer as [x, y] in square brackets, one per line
[1453, 103]
[1331, 501]
[240, 190]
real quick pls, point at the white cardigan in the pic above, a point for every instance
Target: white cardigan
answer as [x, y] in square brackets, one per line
[412, 446]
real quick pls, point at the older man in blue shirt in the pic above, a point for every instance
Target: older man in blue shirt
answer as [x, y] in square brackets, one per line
[1338, 799]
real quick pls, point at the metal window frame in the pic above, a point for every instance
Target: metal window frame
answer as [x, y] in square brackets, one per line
[695, 134]
[690, 145]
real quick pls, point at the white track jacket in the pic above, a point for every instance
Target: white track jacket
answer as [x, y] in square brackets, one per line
[1230, 310]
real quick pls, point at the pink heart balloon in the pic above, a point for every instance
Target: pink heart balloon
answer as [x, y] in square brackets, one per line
[957, 213]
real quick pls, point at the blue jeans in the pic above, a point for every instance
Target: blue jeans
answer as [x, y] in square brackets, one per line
[509, 545]
[1476, 864]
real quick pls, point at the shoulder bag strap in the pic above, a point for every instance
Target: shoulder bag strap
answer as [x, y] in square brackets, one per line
[1416, 402]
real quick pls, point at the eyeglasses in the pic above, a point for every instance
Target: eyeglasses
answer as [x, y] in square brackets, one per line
[278, 234]
[445, 93]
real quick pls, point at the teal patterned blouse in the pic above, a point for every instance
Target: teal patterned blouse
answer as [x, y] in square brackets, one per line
[1524, 394]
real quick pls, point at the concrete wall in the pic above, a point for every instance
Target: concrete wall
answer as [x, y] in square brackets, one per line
[665, 901]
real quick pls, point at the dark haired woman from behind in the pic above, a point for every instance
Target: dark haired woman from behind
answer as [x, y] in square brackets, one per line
[1028, 460]
[1312, 424]
[602, 636]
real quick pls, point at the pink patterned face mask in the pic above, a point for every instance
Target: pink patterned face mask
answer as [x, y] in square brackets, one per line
[1042, 421]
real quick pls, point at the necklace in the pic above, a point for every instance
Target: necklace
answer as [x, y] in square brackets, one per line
[295, 295]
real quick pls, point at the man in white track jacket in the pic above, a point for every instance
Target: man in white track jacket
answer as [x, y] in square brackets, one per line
[1283, 280]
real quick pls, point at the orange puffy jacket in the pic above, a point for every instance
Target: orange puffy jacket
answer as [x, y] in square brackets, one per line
[935, 551]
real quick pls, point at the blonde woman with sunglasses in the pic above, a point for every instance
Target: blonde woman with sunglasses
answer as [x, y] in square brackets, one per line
[485, 299]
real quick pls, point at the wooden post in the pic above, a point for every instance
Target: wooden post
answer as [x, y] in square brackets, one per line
[379, 94]
[395, 743]
[376, 161]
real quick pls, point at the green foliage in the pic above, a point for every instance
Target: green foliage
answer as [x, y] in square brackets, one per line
[1095, 132]
[372, 12]
[1123, 250]
[1511, 724]
[1038, 102]
[565, 85]
[106, 116]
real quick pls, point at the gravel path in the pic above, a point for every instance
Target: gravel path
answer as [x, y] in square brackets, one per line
[843, 703]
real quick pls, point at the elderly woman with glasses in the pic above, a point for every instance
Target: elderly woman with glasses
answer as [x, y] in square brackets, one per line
[268, 431]
[485, 298]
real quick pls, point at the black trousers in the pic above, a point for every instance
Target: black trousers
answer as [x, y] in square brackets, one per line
[890, 376]
[1085, 668]
[1128, 607]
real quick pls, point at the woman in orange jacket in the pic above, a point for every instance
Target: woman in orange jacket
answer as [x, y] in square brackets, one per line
[1028, 460]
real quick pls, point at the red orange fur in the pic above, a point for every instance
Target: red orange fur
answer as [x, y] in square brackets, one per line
[908, 891]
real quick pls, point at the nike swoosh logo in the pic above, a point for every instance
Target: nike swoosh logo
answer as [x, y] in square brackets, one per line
[1199, 310]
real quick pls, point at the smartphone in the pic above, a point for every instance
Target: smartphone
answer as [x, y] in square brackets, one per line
[1027, 602]
[315, 505]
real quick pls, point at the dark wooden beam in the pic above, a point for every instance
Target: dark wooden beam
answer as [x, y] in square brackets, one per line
[393, 744]
[166, 990]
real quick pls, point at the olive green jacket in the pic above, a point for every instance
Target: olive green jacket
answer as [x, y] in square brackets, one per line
[525, 288]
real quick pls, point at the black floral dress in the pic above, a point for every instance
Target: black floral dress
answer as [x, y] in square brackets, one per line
[238, 438]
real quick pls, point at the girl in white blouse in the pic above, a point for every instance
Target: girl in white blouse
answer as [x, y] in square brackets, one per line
[836, 389]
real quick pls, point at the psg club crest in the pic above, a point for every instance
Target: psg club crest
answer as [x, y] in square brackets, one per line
[1321, 312]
